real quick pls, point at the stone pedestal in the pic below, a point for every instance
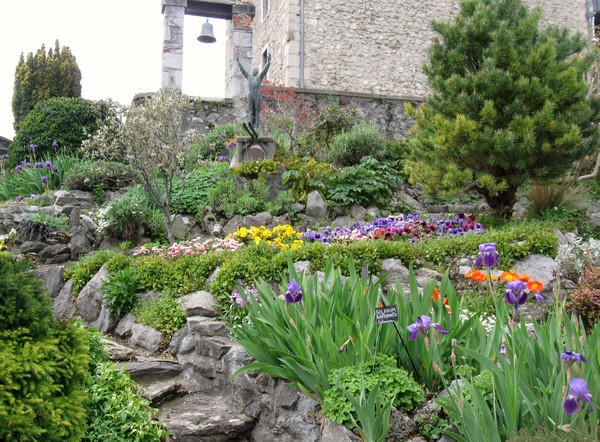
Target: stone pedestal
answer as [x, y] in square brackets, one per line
[253, 149]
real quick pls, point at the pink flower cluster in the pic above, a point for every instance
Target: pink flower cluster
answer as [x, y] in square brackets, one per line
[193, 247]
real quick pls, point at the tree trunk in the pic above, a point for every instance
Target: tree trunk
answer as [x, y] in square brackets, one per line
[502, 202]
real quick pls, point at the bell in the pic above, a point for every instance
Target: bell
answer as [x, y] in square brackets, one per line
[207, 36]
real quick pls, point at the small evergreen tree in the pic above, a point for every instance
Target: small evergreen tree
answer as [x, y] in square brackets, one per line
[42, 76]
[509, 104]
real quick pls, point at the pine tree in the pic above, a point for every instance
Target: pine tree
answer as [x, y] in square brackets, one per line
[509, 104]
[42, 76]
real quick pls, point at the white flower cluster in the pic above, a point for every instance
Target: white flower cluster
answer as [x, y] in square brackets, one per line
[102, 220]
[574, 253]
[487, 321]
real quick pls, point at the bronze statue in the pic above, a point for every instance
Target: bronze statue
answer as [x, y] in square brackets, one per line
[254, 98]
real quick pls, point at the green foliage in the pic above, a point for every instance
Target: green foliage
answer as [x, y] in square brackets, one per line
[43, 362]
[90, 175]
[164, 314]
[252, 169]
[395, 385]
[43, 76]
[190, 195]
[182, 275]
[373, 414]
[23, 303]
[328, 123]
[56, 222]
[349, 148]
[509, 104]
[67, 120]
[556, 195]
[120, 291]
[368, 182]
[28, 181]
[130, 216]
[525, 387]
[305, 175]
[545, 434]
[82, 271]
[117, 409]
[432, 427]
[210, 146]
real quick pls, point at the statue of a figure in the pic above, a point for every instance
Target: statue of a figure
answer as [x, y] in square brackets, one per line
[254, 81]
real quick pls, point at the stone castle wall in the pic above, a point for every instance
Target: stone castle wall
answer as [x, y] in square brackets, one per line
[375, 47]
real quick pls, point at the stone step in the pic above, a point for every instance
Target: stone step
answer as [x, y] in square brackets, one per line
[149, 371]
[200, 417]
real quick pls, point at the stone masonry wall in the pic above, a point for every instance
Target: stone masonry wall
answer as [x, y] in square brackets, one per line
[375, 47]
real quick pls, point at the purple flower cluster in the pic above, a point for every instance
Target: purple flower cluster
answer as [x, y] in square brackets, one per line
[242, 299]
[410, 226]
[37, 165]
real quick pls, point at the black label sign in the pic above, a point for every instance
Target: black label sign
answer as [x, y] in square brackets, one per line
[386, 314]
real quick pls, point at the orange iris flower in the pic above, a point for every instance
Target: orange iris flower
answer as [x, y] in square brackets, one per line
[509, 276]
[535, 286]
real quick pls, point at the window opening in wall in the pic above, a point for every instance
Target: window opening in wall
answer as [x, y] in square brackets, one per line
[264, 9]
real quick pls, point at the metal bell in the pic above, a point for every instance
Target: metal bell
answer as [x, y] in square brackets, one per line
[207, 36]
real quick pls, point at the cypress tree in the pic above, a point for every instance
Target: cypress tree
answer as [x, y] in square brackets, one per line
[42, 76]
[509, 104]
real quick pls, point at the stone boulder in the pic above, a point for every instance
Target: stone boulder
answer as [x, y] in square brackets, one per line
[89, 300]
[316, 206]
[200, 303]
[146, 337]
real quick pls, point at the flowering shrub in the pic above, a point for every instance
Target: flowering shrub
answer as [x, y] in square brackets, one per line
[196, 246]
[410, 226]
[585, 299]
[283, 236]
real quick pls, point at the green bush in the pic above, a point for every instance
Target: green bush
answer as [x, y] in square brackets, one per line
[252, 169]
[99, 175]
[348, 148]
[331, 121]
[68, 121]
[304, 175]
[41, 226]
[117, 409]
[209, 148]
[131, 215]
[82, 271]
[191, 194]
[164, 314]
[43, 362]
[368, 182]
[120, 291]
[395, 385]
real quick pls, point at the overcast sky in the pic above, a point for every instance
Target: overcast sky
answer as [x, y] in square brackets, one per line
[117, 44]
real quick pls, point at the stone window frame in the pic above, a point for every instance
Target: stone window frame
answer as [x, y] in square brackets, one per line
[264, 9]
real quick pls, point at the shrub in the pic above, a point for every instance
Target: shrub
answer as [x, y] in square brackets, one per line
[68, 121]
[105, 175]
[120, 291]
[304, 175]
[584, 300]
[252, 169]
[328, 123]
[369, 182]
[164, 314]
[43, 362]
[130, 216]
[82, 271]
[190, 195]
[349, 148]
[209, 147]
[395, 385]
[117, 409]
[41, 226]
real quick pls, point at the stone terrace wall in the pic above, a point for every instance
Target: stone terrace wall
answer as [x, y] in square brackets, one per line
[375, 47]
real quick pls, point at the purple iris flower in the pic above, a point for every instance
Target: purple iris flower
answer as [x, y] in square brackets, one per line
[422, 325]
[223, 158]
[54, 168]
[44, 180]
[488, 256]
[294, 293]
[48, 164]
[516, 294]
[54, 144]
[570, 357]
[33, 147]
[231, 145]
[37, 165]
[578, 391]
[503, 349]
[19, 168]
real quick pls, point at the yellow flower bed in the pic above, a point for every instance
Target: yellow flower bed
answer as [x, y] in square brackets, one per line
[284, 237]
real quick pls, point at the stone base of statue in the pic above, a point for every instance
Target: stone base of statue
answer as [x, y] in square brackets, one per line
[253, 149]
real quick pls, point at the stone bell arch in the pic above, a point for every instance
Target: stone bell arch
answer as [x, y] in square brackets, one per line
[238, 40]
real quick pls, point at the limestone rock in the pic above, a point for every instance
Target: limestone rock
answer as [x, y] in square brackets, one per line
[51, 276]
[540, 268]
[32, 246]
[106, 320]
[181, 226]
[341, 221]
[63, 306]
[152, 370]
[258, 220]
[164, 391]
[146, 337]
[118, 352]
[204, 326]
[358, 212]
[233, 224]
[201, 303]
[89, 300]
[123, 329]
[79, 243]
[316, 207]
[54, 250]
